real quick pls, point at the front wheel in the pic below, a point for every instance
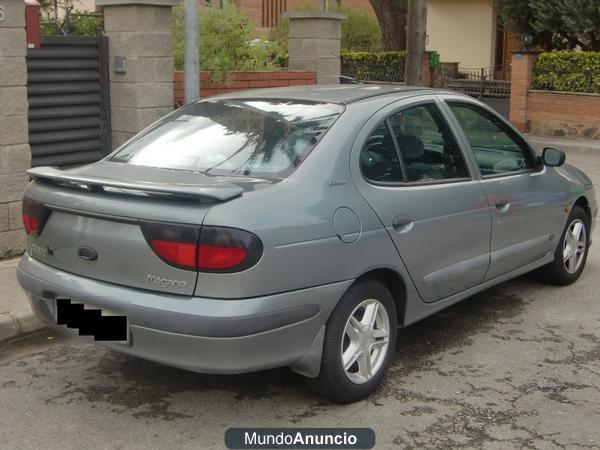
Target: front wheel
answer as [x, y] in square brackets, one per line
[571, 252]
[359, 343]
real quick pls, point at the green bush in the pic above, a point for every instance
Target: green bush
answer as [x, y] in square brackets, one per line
[391, 58]
[75, 24]
[374, 66]
[225, 43]
[81, 24]
[568, 72]
[360, 31]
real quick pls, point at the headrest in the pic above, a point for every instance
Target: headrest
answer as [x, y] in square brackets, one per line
[411, 147]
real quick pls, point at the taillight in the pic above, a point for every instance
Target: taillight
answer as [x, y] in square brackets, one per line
[35, 215]
[174, 244]
[206, 249]
[224, 249]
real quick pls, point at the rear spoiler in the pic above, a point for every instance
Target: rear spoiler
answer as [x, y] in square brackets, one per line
[215, 193]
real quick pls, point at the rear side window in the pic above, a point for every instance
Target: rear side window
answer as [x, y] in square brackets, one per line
[379, 156]
[428, 149]
[414, 145]
[242, 137]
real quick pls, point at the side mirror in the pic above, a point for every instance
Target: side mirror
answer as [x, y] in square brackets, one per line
[553, 157]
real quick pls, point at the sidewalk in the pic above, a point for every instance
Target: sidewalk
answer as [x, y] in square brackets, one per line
[15, 314]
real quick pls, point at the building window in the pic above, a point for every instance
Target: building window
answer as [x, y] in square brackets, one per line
[271, 12]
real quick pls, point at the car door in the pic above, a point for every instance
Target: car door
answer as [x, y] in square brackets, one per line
[526, 203]
[410, 168]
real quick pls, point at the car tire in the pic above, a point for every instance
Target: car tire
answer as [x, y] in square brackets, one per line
[568, 266]
[349, 336]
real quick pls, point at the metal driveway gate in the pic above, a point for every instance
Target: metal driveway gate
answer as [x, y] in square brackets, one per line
[69, 100]
[491, 85]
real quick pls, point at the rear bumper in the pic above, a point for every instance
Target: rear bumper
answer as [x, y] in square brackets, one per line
[200, 334]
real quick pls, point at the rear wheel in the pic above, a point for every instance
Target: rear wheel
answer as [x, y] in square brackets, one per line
[571, 252]
[360, 340]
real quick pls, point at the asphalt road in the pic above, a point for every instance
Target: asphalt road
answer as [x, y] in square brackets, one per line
[516, 366]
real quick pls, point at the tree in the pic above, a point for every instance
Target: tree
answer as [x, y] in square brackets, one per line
[518, 17]
[554, 24]
[391, 15]
[576, 22]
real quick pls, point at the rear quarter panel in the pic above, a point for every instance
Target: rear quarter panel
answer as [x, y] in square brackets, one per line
[294, 220]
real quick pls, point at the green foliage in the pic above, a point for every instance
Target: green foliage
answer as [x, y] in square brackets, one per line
[568, 71]
[225, 43]
[575, 23]
[391, 58]
[360, 31]
[374, 66]
[554, 24]
[83, 24]
[76, 24]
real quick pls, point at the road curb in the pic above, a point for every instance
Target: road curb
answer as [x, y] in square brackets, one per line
[16, 324]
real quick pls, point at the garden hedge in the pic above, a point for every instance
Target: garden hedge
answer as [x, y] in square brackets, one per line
[568, 72]
[392, 58]
[374, 66]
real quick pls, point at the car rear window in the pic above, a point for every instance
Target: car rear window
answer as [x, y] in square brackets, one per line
[241, 137]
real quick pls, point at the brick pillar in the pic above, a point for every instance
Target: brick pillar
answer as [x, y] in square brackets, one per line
[521, 75]
[140, 61]
[15, 154]
[314, 44]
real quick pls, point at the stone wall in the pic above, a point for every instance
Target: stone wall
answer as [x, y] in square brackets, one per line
[139, 30]
[15, 155]
[240, 81]
[314, 44]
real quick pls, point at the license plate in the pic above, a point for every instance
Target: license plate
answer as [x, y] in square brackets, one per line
[104, 325]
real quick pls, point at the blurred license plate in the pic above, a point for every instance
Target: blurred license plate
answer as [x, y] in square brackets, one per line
[104, 325]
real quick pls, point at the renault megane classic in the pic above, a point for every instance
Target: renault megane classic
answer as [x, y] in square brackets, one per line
[298, 227]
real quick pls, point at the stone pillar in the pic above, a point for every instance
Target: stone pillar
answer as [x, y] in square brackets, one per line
[141, 63]
[314, 44]
[521, 75]
[15, 154]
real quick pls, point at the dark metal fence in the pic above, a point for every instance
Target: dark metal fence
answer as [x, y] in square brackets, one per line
[492, 82]
[69, 100]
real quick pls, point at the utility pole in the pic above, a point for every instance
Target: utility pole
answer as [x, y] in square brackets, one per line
[415, 42]
[191, 55]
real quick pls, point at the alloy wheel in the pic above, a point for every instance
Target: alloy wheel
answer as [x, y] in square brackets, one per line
[574, 246]
[365, 342]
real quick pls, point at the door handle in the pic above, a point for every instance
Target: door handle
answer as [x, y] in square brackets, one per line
[402, 223]
[502, 204]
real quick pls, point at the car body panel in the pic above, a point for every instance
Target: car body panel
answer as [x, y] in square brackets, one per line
[188, 335]
[436, 214]
[322, 227]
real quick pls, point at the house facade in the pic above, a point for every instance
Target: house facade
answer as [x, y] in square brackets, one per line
[468, 32]
[464, 31]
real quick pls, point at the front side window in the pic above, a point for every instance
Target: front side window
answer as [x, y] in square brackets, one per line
[240, 137]
[497, 149]
[428, 148]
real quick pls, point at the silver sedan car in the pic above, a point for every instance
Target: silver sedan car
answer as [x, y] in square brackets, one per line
[298, 227]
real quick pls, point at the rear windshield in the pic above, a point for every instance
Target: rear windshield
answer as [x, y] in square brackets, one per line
[243, 137]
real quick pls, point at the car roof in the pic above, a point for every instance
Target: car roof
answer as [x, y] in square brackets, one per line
[341, 94]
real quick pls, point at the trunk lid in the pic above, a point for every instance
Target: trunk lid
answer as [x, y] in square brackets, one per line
[93, 227]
